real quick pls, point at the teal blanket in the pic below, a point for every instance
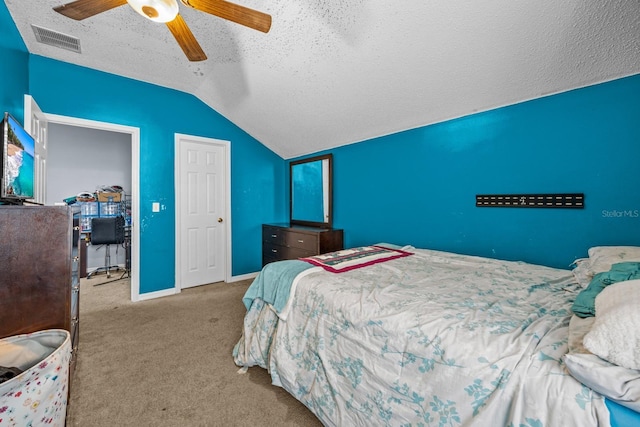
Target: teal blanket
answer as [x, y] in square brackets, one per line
[273, 283]
[585, 303]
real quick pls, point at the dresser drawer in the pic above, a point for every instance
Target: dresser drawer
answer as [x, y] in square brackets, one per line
[273, 235]
[294, 239]
[272, 253]
[307, 242]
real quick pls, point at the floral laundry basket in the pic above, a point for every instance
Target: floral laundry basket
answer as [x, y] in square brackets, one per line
[37, 394]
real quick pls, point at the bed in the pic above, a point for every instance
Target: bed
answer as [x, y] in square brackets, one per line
[382, 335]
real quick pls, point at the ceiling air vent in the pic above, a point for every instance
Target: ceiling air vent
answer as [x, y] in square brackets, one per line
[56, 39]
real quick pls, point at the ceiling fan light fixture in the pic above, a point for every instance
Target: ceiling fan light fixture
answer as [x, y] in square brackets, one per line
[156, 10]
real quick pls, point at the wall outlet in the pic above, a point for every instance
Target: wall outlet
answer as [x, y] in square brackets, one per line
[155, 207]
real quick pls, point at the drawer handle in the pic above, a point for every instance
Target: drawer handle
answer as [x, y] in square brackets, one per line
[300, 241]
[275, 251]
[274, 235]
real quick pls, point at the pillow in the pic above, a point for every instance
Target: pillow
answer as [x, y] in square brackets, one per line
[348, 259]
[601, 258]
[582, 271]
[584, 304]
[619, 384]
[389, 245]
[615, 334]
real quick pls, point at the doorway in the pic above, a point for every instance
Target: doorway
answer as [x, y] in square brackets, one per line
[132, 136]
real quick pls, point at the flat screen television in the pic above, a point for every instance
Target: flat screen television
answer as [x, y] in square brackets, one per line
[18, 152]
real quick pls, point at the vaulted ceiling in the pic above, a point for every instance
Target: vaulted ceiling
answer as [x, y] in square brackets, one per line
[335, 72]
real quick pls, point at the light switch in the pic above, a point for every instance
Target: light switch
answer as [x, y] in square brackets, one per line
[155, 207]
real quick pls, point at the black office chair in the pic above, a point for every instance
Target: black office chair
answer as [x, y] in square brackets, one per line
[107, 231]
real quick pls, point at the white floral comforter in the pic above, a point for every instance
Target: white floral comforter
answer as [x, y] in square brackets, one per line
[433, 339]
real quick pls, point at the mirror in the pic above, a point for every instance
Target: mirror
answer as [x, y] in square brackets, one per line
[311, 191]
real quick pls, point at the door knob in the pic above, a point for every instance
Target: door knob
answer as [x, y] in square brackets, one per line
[219, 219]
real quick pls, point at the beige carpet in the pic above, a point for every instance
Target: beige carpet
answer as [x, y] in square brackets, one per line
[167, 362]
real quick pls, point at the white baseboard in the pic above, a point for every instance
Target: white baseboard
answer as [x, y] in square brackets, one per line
[247, 276]
[172, 291]
[157, 294]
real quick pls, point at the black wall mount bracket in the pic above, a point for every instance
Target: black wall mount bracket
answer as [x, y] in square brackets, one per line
[559, 200]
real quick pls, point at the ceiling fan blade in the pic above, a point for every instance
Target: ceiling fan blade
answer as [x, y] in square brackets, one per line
[186, 39]
[233, 12]
[82, 9]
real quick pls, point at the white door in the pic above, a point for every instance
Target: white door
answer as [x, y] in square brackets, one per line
[201, 210]
[35, 123]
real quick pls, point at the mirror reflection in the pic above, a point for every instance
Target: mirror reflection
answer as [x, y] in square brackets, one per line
[311, 191]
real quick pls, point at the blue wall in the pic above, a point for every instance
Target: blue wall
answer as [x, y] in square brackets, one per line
[418, 187]
[14, 67]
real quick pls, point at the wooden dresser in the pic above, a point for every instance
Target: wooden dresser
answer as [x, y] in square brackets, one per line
[39, 284]
[285, 241]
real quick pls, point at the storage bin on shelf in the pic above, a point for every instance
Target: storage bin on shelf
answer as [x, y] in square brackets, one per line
[108, 205]
[108, 209]
[88, 211]
[38, 395]
[89, 208]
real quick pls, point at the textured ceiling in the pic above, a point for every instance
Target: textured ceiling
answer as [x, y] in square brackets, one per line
[334, 72]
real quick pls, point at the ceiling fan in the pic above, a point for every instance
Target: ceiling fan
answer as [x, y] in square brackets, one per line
[166, 11]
